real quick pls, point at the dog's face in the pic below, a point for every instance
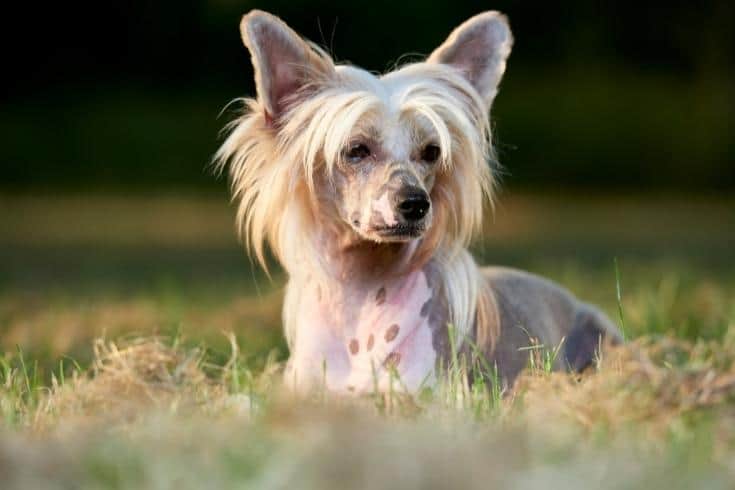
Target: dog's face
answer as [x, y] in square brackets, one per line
[386, 158]
[384, 177]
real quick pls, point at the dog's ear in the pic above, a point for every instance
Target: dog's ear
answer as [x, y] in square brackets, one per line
[478, 48]
[284, 63]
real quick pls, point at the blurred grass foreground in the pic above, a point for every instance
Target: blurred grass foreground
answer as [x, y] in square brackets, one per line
[141, 349]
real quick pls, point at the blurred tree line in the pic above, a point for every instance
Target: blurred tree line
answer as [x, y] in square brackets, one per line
[620, 95]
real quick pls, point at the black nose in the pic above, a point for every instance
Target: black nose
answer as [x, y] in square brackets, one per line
[413, 204]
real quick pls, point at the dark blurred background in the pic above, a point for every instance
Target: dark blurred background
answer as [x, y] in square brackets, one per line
[598, 95]
[614, 123]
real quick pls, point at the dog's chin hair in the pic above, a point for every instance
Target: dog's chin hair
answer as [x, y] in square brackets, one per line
[388, 239]
[396, 236]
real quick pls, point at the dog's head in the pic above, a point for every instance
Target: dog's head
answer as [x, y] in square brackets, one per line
[389, 158]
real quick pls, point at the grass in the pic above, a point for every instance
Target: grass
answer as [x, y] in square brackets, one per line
[143, 352]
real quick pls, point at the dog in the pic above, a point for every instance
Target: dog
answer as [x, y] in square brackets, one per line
[367, 190]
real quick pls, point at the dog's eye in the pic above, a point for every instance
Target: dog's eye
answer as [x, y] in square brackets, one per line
[357, 152]
[430, 153]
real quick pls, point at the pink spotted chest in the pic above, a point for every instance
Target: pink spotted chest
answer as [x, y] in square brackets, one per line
[358, 338]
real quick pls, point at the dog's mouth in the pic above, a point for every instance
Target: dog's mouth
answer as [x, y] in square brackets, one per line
[400, 231]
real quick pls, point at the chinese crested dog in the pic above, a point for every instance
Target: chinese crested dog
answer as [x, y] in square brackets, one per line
[368, 190]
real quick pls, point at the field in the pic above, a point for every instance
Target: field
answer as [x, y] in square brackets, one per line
[141, 349]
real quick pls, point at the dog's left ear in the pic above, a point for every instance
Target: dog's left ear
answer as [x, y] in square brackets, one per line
[479, 48]
[284, 63]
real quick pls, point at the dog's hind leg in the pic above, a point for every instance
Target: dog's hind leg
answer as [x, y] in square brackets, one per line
[589, 331]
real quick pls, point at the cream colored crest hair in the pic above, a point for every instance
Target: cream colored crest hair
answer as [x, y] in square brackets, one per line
[273, 167]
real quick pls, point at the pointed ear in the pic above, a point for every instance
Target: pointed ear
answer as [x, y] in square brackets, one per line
[284, 63]
[478, 48]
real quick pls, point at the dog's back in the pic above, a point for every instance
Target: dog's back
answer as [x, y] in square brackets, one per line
[535, 313]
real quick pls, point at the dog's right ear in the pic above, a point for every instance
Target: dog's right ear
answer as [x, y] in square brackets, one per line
[479, 48]
[284, 63]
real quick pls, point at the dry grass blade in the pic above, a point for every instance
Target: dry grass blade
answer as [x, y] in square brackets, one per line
[127, 378]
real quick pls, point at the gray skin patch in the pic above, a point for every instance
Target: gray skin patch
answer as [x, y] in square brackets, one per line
[435, 310]
[380, 296]
[354, 347]
[392, 333]
[440, 334]
[396, 180]
[425, 308]
[392, 360]
[370, 342]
